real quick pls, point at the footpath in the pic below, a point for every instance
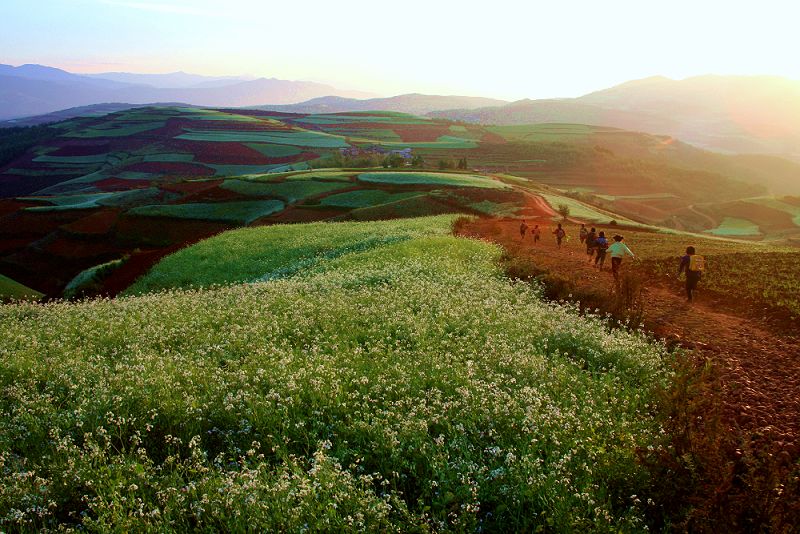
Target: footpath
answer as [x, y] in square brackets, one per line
[759, 369]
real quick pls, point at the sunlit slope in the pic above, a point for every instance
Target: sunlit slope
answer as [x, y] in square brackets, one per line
[402, 387]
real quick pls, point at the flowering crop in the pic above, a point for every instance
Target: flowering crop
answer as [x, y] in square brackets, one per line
[402, 387]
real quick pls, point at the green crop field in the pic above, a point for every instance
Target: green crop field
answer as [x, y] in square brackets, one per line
[247, 255]
[390, 388]
[294, 138]
[274, 151]
[11, 289]
[291, 192]
[583, 211]
[241, 212]
[731, 226]
[116, 129]
[431, 178]
[365, 198]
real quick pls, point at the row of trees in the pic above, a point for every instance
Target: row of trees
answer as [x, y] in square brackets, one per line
[14, 142]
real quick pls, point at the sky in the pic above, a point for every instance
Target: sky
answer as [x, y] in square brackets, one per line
[502, 49]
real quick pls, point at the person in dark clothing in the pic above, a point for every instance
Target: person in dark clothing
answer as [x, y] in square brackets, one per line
[560, 234]
[590, 243]
[601, 246]
[523, 229]
[537, 234]
[693, 266]
[583, 233]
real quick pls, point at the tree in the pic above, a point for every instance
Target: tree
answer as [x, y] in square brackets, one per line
[563, 210]
[445, 164]
[418, 161]
[462, 163]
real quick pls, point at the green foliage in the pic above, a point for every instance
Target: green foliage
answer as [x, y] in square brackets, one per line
[563, 210]
[88, 282]
[407, 387]
[394, 161]
[242, 212]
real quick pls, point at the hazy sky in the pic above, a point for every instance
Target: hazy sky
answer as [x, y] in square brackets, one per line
[493, 48]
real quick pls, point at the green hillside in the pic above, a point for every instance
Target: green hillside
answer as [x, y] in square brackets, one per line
[389, 388]
[10, 289]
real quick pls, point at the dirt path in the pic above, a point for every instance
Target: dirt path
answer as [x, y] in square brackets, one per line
[760, 370]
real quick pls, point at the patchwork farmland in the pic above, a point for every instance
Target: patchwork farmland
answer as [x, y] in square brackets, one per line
[137, 184]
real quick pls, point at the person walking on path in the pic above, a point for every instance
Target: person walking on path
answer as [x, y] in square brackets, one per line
[523, 229]
[591, 237]
[537, 233]
[693, 265]
[601, 246]
[584, 233]
[560, 234]
[618, 250]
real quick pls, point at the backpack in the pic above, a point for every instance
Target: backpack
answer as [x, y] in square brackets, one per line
[560, 232]
[697, 264]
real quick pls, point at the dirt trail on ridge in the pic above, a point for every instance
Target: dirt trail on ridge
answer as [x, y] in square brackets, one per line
[760, 369]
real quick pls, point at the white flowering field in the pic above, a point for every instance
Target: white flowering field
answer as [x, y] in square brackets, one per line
[405, 386]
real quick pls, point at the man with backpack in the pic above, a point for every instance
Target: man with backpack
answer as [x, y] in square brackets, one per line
[693, 265]
[560, 234]
[591, 237]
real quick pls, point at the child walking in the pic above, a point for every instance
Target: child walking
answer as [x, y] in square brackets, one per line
[693, 265]
[618, 250]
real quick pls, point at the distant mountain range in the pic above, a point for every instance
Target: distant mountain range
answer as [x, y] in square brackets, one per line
[30, 90]
[732, 114]
[415, 103]
[735, 114]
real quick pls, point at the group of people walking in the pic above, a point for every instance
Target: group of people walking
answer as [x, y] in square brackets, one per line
[598, 247]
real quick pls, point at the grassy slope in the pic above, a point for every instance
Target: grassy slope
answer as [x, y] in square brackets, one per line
[397, 382]
[11, 289]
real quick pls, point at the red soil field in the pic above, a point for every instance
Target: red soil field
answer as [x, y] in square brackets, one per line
[98, 223]
[118, 184]
[767, 218]
[639, 209]
[171, 167]
[75, 248]
[161, 232]
[7, 246]
[492, 138]
[214, 194]
[30, 223]
[227, 154]
[81, 149]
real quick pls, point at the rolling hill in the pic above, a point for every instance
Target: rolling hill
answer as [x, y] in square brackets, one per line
[91, 195]
[733, 114]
